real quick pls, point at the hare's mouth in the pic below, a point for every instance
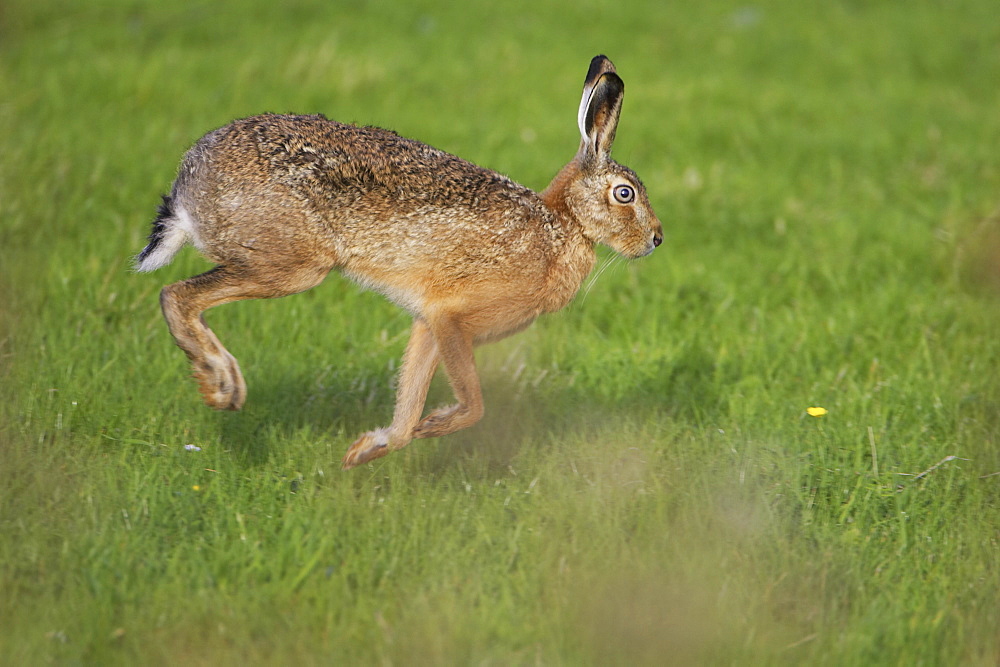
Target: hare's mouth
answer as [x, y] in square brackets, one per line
[646, 249]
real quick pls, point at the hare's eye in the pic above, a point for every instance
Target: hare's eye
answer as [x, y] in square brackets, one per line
[624, 194]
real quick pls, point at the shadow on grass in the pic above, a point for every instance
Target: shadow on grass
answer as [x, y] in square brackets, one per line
[281, 407]
[284, 405]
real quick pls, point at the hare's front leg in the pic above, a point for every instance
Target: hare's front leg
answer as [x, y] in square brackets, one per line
[419, 363]
[456, 350]
[446, 342]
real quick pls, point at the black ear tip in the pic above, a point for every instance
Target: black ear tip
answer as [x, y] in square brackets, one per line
[599, 65]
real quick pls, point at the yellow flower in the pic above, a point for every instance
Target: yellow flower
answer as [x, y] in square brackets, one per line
[196, 488]
[816, 412]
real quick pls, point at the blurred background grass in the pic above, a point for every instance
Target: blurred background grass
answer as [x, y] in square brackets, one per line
[646, 486]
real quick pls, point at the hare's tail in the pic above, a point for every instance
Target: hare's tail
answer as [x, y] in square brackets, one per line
[172, 229]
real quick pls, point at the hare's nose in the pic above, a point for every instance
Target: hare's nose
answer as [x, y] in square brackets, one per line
[657, 240]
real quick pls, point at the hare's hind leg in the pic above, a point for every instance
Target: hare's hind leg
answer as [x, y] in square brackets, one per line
[216, 370]
[419, 363]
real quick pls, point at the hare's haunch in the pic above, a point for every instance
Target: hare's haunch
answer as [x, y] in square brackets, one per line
[279, 201]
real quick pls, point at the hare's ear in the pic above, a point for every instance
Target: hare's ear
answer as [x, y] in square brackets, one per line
[598, 65]
[599, 108]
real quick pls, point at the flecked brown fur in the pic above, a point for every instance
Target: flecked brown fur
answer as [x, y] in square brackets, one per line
[278, 201]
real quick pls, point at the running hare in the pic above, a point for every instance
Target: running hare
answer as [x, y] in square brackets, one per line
[278, 201]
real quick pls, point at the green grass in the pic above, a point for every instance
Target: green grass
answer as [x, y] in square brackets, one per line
[646, 486]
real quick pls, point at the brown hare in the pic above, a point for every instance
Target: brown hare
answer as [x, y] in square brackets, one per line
[277, 201]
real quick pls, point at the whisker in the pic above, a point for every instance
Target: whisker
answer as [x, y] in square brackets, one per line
[605, 265]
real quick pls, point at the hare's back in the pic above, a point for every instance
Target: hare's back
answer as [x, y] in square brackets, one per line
[331, 162]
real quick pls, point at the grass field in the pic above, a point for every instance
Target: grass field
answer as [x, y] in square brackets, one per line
[647, 486]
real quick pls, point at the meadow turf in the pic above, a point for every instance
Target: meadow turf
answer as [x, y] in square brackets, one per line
[646, 486]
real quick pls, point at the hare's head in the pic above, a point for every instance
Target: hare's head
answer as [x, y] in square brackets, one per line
[607, 198]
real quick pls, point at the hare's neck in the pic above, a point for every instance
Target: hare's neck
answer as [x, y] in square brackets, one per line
[556, 196]
[569, 270]
[576, 256]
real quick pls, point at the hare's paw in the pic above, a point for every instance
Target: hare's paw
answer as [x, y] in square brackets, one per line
[370, 446]
[447, 420]
[220, 381]
[436, 423]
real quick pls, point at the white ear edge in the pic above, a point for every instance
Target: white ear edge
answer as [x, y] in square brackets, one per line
[581, 118]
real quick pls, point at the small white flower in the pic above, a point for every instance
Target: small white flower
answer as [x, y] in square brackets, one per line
[192, 448]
